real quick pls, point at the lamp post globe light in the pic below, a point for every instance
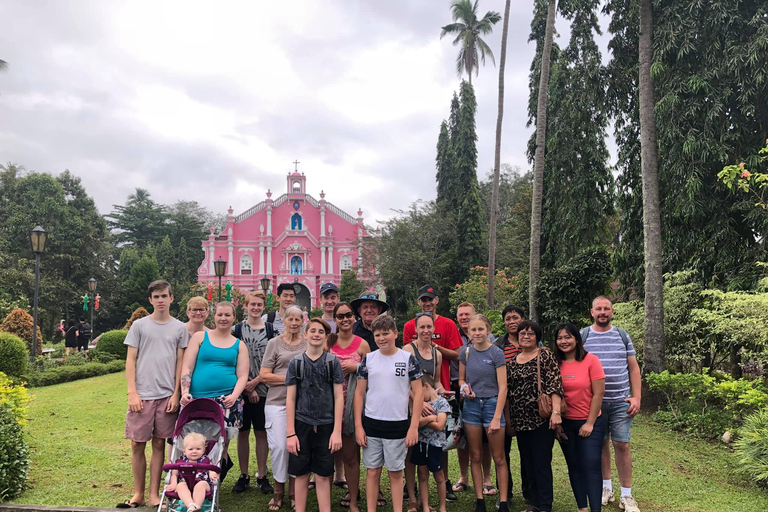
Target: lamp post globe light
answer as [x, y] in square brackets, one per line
[92, 289]
[37, 238]
[220, 267]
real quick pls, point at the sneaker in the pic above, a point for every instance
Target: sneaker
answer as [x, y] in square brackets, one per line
[449, 494]
[479, 506]
[264, 486]
[242, 484]
[628, 504]
[607, 496]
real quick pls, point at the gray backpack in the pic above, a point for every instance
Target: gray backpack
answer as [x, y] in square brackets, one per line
[624, 336]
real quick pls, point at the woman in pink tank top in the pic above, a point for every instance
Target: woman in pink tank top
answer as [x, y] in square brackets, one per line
[350, 350]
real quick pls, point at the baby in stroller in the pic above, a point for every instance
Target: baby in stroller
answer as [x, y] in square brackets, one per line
[194, 451]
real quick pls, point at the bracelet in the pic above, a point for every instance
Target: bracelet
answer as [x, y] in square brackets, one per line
[290, 436]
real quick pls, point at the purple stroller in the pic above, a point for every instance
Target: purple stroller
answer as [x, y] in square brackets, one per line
[205, 417]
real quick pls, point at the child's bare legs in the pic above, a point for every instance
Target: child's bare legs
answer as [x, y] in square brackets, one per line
[463, 455]
[262, 453]
[372, 481]
[350, 453]
[301, 489]
[198, 493]
[424, 484]
[487, 465]
[323, 492]
[475, 448]
[496, 445]
[410, 480]
[197, 496]
[396, 487]
[243, 450]
[339, 470]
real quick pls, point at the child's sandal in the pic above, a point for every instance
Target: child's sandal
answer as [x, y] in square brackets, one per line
[276, 503]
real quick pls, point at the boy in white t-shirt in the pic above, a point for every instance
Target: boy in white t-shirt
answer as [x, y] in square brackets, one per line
[385, 380]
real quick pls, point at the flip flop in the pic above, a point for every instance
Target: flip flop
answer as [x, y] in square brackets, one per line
[311, 485]
[381, 501]
[345, 501]
[489, 490]
[342, 484]
[460, 487]
[129, 504]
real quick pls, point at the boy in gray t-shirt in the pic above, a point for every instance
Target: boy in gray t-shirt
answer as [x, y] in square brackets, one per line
[156, 346]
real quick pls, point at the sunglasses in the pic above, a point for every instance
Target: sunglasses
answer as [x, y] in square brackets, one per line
[427, 313]
[342, 316]
[370, 296]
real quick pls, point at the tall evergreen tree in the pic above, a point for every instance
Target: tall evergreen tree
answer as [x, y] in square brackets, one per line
[139, 222]
[444, 161]
[165, 258]
[184, 269]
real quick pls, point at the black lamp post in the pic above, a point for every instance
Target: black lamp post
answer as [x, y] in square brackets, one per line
[220, 266]
[265, 284]
[37, 238]
[92, 289]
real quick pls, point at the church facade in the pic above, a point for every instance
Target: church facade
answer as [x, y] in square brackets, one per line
[293, 239]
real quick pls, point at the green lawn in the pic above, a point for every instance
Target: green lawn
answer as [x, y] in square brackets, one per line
[79, 458]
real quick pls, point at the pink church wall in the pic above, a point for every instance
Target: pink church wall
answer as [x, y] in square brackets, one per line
[320, 245]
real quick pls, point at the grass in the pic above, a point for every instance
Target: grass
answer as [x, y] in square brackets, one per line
[79, 458]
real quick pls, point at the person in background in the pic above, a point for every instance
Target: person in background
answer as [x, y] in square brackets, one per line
[71, 340]
[84, 332]
[583, 429]
[329, 297]
[535, 434]
[197, 313]
[622, 396]
[367, 308]
[286, 297]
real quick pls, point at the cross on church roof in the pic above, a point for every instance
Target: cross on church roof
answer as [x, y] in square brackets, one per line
[296, 165]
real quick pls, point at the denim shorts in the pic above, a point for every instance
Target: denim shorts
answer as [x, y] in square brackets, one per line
[618, 423]
[479, 412]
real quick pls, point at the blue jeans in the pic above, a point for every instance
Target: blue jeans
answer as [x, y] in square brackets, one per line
[584, 458]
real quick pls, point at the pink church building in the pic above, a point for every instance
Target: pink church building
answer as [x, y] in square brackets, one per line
[292, 239]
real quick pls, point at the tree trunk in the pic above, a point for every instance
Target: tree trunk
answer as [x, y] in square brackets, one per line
[538, 167]
[735, 360]
[653, 351]
[497, 163]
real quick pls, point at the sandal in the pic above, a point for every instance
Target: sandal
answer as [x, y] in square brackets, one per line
[381, 501]
[276, 503]
[412, 507]
[293, 501]
[346, 500]
[129, 504]
[311, 485]
[489, 490]
[342, 484]
[460, 487]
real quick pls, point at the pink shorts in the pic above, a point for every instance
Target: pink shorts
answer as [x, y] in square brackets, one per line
[151, 422]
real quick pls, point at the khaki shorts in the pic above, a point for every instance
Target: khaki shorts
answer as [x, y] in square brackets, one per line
[151, 422]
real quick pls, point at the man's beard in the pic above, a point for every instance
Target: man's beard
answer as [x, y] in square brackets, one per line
[603, 323]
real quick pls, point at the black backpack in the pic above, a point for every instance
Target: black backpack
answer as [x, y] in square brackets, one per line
[85, 331]
[237, 330]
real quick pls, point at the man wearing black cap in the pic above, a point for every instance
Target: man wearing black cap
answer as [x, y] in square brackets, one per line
[329, 297]
[367, 308]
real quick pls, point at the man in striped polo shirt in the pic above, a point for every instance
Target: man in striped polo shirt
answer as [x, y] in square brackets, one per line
[622, 396]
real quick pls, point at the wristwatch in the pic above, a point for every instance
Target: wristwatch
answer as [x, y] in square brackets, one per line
[556, 412]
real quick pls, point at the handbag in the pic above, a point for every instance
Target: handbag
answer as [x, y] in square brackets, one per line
[545, 401]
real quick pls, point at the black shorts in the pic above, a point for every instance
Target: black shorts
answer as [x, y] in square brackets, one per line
[424, 454]
[314, 455]
[253, 414]
[83, 345]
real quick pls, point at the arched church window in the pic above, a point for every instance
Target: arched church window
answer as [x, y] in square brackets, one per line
[345, 263]
[296, 222]
[296, 265]
[296, 187]
[246, 265]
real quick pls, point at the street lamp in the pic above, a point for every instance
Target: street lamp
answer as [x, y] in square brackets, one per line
[92, 289]
[265, 284]
[37, 239]
[220, 266]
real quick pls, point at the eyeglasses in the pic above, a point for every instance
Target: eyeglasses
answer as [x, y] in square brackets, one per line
[342, 316]
[426, 313]
[526, 334]
[370, 296]
[197, 311]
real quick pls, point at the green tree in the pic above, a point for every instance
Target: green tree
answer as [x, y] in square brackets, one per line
[543, 53]
[166, 258]
[143, 272]
[468, 28]
[497, 162]
[351, 287]
[139, 222]
[443, 161]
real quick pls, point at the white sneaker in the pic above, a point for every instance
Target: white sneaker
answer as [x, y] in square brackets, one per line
[628, 504]
[607, 496]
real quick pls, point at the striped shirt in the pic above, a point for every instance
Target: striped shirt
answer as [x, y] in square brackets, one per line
[610, 349]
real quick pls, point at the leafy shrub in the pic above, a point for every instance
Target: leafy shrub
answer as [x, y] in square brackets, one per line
[707, 405]
[475, 289]
[19, 322]
[70, 373]
[140, 312]
[13, 399]
[752, 447]
[101, 357]
[8, 304]
[111, 342]
[14, 357]
[14, 457]
[630, 316]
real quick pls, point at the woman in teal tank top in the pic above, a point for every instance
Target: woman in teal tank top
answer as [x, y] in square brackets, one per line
[216, 366]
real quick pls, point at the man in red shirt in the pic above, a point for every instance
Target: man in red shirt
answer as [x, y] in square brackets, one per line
[447, 340]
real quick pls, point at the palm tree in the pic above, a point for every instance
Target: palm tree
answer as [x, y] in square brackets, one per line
[653, 354]
[3, 65]
[497, 161]
[140, 196]
[538, 166]
[468, 30]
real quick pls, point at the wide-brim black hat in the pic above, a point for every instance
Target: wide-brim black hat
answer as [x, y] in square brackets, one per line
[373, 297]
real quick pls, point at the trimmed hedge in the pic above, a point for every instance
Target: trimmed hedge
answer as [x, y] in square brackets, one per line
[70, 373]
[14, 457]
[14, 356]
[111, 342]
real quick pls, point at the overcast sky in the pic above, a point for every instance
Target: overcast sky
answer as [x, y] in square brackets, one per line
[212, 101]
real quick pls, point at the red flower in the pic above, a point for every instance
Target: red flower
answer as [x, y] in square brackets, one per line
[746, 174]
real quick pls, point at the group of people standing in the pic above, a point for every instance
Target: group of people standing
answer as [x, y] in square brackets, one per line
[316, 391]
